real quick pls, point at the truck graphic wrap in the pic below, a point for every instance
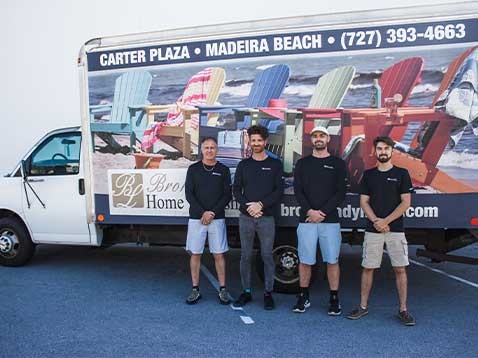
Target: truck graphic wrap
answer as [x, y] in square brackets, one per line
[149, 106]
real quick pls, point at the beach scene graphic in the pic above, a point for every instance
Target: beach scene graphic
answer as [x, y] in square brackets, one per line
[167, 86]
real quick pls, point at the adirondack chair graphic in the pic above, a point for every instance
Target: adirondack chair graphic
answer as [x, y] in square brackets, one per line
[425, 150]
[181, 127]
[126, 112]
[327, 97]
[226, 122]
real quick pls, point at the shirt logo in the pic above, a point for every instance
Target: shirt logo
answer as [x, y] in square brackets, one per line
[328, 166]
[264, 168]
[218, 174]
[392, 179]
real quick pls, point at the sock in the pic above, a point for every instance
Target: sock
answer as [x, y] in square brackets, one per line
[304, 291]
[334, 295]
[196, 288]
[247, 290]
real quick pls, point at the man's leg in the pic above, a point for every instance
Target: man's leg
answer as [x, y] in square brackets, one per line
[266, 233]
[196, 237]
[195, 264]
[401, 281]
[247, 234]
[333, 276]
[305, 272]
[366, 286]
[307, 236]
[220, 264]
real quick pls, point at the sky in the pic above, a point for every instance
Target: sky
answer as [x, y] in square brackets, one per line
[40, 41]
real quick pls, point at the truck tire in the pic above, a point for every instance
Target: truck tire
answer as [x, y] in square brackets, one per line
[286, 259]
[16, 246]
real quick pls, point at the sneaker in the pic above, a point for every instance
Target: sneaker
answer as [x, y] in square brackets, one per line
[243, 299]
[302, 303]
[268, 301]
[334, 308]
[357, 313]
[406, 318]
[193, 297]
[223, 296]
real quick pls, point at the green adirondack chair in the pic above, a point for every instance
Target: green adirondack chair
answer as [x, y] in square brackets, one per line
[328, 94]
[127, 115]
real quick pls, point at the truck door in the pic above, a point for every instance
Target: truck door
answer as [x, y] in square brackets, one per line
[54, 201]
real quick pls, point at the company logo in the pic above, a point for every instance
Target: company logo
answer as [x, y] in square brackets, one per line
[328, 166]
[127, 190]
[392, 179]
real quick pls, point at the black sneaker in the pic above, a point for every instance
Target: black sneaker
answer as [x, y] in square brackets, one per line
[357, 313]
[334, 308]
[303, 302]
[244, 298]
[268, 301]
[223, 296]
[406, 318]
[193, 297]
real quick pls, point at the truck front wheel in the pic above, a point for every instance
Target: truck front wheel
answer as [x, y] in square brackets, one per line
[16, 247]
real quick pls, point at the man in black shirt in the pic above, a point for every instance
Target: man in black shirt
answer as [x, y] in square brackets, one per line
[208, 191]
[385, 196]
[319, 186]
[258, 187]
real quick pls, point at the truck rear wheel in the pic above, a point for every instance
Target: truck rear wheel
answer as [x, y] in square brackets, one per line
[16, 246]
[286, 259]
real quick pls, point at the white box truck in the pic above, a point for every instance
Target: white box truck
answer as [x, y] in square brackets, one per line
[147, 99]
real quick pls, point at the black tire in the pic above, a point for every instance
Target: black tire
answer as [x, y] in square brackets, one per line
[17, 247]
[286, 258]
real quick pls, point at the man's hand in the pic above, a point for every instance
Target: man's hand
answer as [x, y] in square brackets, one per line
[381, 225]
[207, 217]
[254, 208]
[315, 216]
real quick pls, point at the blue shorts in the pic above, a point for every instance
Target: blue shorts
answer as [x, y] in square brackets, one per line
[329, 237]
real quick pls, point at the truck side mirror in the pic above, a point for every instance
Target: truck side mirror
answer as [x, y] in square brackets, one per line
[24, 169]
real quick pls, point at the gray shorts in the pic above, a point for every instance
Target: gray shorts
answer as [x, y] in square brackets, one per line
[215, 232]
[397, 248]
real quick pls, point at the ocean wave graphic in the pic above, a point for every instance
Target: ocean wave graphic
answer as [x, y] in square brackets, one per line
[463, 160]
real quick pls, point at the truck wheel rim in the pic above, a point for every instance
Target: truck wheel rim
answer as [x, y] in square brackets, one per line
[9, 244]
[286, 262]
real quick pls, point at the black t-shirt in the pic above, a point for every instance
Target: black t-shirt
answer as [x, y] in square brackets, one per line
[208, 188]
[259, 180]
[384, 190]
[320, 184]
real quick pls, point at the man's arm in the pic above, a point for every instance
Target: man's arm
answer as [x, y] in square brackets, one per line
[274, 197]
[299, 188]
[238, 186]
[190, 195]
[226, 194]
[340, 190]
[365, 205]
[406, 199]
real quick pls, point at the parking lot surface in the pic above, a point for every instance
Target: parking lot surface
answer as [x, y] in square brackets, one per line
[129, 301]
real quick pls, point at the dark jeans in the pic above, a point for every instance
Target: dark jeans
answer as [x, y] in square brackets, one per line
[265, 228]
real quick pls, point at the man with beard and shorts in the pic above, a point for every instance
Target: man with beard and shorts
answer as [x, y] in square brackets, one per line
[320, 182]
[208, 191]
[258, 187]
[385, 195]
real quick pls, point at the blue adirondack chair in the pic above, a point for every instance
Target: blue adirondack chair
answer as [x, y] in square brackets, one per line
[127, 115]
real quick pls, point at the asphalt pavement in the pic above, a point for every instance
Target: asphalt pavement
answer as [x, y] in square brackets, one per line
[129, 301]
